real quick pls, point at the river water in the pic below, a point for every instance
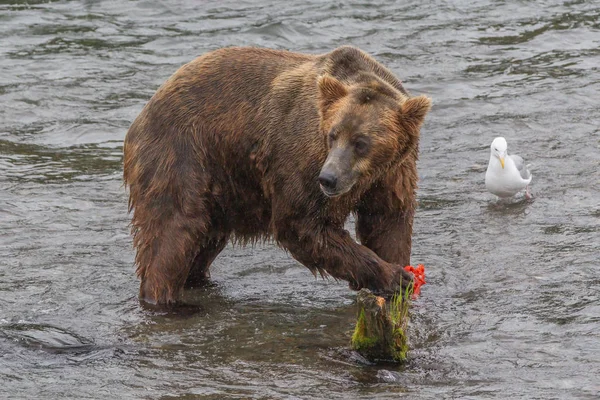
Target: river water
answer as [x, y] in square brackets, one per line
[511, 308]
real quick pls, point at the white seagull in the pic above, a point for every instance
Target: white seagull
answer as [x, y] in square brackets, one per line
[506, 175]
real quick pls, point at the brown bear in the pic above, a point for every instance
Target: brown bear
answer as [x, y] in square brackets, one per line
[251, 144]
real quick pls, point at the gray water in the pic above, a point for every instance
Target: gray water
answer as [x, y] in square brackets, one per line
[511, 308]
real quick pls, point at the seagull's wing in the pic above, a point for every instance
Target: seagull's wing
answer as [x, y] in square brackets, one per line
[525, 174]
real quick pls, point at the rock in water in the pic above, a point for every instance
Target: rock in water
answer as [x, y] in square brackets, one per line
[380, 332]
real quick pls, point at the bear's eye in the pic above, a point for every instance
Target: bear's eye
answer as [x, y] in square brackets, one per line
[361, 146]
[331, 137]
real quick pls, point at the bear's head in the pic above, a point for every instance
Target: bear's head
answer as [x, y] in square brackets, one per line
[368, 126]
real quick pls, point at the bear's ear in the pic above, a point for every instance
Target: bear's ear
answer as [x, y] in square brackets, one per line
[330, 91]
[413, 110]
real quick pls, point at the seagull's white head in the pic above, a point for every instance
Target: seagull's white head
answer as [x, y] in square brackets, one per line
[499, 149]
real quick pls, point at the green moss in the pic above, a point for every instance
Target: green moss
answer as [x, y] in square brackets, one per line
[399, 349]
[360, 340]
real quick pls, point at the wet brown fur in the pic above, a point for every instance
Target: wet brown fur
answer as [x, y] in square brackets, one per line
[230, 148]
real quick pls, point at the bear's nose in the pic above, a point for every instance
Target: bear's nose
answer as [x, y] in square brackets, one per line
[328, 180]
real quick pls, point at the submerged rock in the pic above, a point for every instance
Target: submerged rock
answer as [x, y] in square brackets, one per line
[385, 376]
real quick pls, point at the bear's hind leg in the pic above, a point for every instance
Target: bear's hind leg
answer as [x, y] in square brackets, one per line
[165, 257]
[199, 272]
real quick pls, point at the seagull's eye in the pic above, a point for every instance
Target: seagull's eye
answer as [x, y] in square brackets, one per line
[495, 149]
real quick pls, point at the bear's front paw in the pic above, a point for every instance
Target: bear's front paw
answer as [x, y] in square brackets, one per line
[399, 279]
[391, 280]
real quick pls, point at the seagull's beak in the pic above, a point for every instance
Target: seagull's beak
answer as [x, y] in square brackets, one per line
[501, 161]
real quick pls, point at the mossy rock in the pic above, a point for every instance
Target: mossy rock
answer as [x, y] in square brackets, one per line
[380, 332]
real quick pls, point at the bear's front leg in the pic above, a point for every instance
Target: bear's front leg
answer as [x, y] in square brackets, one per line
[388, 234]
[384, 218]
[332, 251]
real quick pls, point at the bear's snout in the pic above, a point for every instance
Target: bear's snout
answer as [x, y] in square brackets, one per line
[336, 176]
[328, 181]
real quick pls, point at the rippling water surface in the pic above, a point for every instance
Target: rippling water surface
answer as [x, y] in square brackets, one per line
[512, 304]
